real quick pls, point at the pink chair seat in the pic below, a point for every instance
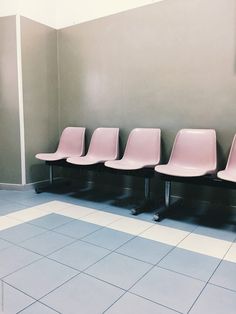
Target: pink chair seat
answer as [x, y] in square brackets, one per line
[125, 164]
[142, 150]
[193, 154]
[71, 144]
[51, 156]
[85, 160]
[227, 175]
[181, 171]
[104, 145]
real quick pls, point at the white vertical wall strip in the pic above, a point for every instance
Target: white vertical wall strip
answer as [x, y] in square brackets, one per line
[20, 96]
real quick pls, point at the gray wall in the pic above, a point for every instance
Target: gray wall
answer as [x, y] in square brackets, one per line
[10, 169]
[169, 65]
[40, 92]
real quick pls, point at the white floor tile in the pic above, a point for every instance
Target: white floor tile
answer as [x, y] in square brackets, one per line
[52, 206]
[231, 255]
[28, 214]
[130, 225]
[205, 245]
[101, 218]
[6, 223]
[75, 211]
[164, 234]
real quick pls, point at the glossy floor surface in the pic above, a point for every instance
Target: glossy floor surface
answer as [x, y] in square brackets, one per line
[61, 253]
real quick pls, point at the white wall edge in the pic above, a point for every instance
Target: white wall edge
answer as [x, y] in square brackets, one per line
[20, 99]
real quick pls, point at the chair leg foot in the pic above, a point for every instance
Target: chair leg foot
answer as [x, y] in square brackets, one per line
[162, 212]
[147, 205]
[52, 187]
[38, 190]
[157, 217]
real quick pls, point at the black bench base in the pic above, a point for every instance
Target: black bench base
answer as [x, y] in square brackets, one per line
[146, 173]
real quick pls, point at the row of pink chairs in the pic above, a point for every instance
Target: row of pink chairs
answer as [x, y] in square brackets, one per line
[193, 153]
[142, 149]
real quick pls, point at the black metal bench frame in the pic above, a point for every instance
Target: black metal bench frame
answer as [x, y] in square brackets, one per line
[146, 173]
[207, 180]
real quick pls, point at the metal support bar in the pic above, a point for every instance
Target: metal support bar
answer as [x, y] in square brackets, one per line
[147, 188]
[147, 204]
[51, 174]
[167, 193]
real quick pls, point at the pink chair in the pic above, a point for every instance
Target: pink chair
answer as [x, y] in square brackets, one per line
[71, 144]
[193, 155]
[229, 174]
[104, 145]
[142, 150]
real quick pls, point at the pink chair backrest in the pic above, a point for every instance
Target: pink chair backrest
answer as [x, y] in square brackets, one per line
[104, 143]
[231, 163]
[144, 144]
[195, 148]
[72, 141]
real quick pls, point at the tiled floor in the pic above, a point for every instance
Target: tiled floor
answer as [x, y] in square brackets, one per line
[61, 254]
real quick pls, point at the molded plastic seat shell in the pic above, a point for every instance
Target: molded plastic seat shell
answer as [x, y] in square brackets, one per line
[193, 154]
[104, 145]
[142, 150]
[71, 144]
[229, 174]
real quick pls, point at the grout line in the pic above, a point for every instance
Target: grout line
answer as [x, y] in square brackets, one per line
[221, 261]
[46, 255]
[28, 306]
[80, 238]
[182, 274]
[208, 281]
[18, 244]
[84, 270]
[10, 285]
[200, 293]
[174, 247]
[49, 229]
[35, 300]
[62, 284]
[7, 284]
[41, 257]
[78, 272]
[103, 247]
[76, 269]
[145, 298]
[146, 274]
[225, 288]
